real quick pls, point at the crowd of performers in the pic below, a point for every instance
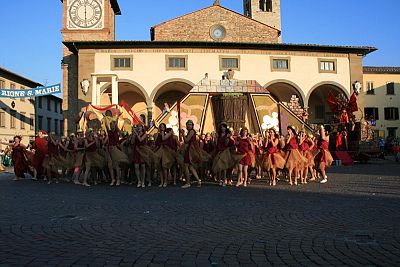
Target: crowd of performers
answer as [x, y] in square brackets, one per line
[115, 157]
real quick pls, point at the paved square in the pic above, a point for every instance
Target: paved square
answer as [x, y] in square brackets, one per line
[352, 220]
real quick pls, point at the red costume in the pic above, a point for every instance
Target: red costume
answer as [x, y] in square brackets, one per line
[137, 159]
[191, 142]
[40, 146]
[113, 138]
[244, 147]
[20, 161]
[323, 156]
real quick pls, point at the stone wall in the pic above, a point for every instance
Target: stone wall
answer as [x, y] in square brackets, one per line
[196, 26]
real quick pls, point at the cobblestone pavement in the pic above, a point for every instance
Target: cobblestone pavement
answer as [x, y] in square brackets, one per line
[353, 220]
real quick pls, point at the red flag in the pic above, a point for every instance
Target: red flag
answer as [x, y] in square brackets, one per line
[332, 103]
[353, 107]
[135, 118]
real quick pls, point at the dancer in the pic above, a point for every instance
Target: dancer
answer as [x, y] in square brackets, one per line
[164, 155]
[306, 145]
[51, 162]
[294, 160]
[223, 159]
[193, 154]
[19, 158]
[115, 156]
[243, 145]
[92, 158]
[141, 156]
[273, 159]
[323, 157]
[40, 147]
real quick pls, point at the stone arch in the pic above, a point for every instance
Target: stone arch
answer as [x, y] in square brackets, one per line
[137, 85]
[331, 83]
[169, 91]
[162, 84]
[319, 112]
[288, 89]
[132, 93]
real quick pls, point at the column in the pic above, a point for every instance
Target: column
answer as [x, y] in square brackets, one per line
[94, 90]
[114, 90]
[149, 116]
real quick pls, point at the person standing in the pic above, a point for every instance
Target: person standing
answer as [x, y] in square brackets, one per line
[40, 147]
[193, 154]
[323, 157]
[243, 145]
[19, 158]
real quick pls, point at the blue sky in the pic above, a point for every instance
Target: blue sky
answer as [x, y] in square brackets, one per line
[31, 40]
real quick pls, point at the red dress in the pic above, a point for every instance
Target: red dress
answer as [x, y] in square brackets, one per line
[20, 161]
[113, 138]
[189, 145]
[292, 144]
[209, 147]
[40, 146]
[304, 146]
[137, 159]
[322, 146]
[272, 158]
[221, 143]
[244, 148]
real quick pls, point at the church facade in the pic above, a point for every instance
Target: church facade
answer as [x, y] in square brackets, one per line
[183, 52]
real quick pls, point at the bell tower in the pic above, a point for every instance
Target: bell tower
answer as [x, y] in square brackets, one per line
[82, 20]
[265, 11]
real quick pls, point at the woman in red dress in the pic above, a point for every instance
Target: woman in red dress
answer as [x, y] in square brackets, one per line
[273, 159]
[193, 154]
[19, 158]
[40, 147]
[51, 163]
[324, 157]
[115, 156]
[243, 145]
[142, 154]
[209, 147]
[173, 144]
[164, 154]
[306, 145]
[294, 160]
[223, 158]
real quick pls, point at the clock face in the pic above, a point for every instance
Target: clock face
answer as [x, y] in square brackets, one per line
[218, 32]
[86, 14]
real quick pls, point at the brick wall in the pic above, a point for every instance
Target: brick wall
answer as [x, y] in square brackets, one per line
[196, 27]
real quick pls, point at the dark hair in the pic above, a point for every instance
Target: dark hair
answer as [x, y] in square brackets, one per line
[227, 131]
[165, 126]
[242, 131]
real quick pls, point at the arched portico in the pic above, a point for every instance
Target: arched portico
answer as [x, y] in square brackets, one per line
[132, 93]
[319, 112]
[169, 91]
[282, 90]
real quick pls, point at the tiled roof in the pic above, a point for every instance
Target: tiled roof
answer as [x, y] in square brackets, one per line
[381, 70]
[29, 81]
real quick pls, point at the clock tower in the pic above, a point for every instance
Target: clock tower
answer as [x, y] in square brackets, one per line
[83, 20]
[265, 11]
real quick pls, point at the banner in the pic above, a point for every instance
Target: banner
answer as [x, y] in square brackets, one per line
[40, 91]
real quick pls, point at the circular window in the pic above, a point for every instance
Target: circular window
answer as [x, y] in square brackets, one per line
[217, 32]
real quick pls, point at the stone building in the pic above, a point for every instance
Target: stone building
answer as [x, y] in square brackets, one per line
[18, 116]
[380, 100]
[185, 50]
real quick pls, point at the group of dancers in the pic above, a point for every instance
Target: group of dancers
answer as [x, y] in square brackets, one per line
[112, 156]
